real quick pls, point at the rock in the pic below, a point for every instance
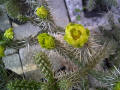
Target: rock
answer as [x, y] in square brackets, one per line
[59, 12]
[119, 2]
[30, 68]
[72, 5]
[13, 63]
[96, 29]
[107, 27]
[87, 22]
[10, 51]
[33, 74]
[24, 31]
[24, 52]
[92, 89]
[27, 56]
[4, 21]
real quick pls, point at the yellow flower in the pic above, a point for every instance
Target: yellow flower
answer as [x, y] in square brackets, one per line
[117, 86]
[76, 35]
[2, 51]
[42, 12]
[46, 41]
[9, 33]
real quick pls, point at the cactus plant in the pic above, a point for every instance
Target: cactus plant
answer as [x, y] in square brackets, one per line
[17, 10]
[43, 63]
[85, 49]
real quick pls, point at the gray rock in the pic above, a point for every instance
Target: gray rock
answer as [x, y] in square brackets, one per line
[59, 12]
[107, 27]
[26, 30]
[33, 75]
[10, 51]
[93, 21]
[119, 2]
[4, 21]
[29, 67]
[92, 89]
[12, 62]
[27, 53]
[72, 5]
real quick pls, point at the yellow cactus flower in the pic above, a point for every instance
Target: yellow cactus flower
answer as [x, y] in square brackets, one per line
[9, 33]
[76, 35]
[46, 41]
[117, 86]
[42, 12]
[2, 51]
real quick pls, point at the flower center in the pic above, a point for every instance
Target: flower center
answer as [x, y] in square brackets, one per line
[75, 34]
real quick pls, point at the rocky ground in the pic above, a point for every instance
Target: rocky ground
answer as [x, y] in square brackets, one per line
[63, 12]
[76, 14]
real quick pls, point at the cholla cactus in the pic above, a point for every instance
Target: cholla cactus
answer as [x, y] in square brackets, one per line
[46, 41]
[43, 63]
[52, 83]
[83, 46]
[9, 34]
[22, 18]
[17, 10]
[2, 51]
[65, 84]
[12, 7]
[76, 35]
[2, 1]
[24, 85]
[110, 79]
[117, 86]
[42, 12]
[82, 49]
